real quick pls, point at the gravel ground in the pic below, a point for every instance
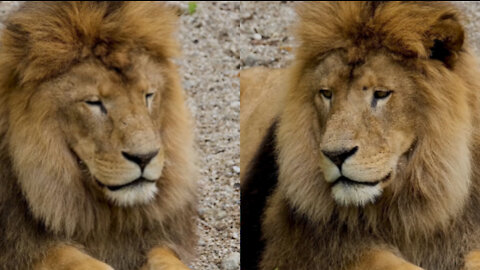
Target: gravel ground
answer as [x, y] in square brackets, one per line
[471, 11]
[217, 40]
[210, 39]
[265, 36]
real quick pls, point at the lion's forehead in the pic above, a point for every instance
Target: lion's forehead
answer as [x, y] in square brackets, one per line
[93, 79]
[377, 69]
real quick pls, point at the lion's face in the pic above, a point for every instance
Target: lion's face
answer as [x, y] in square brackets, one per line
[366, 125]
[110, 126]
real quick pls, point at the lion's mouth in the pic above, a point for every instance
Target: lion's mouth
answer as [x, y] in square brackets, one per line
[347, 181]
[135, 182]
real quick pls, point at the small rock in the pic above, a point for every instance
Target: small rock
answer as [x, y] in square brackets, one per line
[220, 226]
[251, 60]
[247, 16]
[203, 213]
[257, 36]
[220, 214]
[236, 169]
[235, 104]
[231, 261]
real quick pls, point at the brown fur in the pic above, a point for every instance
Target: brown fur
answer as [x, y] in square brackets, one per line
[54, 57]
[428, 211]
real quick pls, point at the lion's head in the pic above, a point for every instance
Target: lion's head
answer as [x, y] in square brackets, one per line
[94, 111]
[109, 124]
[377, 112]
[368, 124]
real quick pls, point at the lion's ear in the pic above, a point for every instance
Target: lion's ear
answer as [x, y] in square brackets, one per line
[445, 39]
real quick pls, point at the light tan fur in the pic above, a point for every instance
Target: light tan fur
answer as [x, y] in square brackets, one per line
[381, 260]
[86, 90]
[261, 93]
[64, 257]
[424, 136]
[472, 261]
[163, 259]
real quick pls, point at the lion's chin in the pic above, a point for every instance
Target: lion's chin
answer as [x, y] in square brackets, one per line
[141, 193]
[355, 195]
[348, 192]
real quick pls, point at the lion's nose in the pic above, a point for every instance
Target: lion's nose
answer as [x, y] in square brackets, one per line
[141, 160]
[338, 157]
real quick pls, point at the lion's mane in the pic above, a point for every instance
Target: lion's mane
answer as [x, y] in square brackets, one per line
[439, 170]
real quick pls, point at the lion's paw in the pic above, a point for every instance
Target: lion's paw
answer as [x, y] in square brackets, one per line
[384, 260]
[408, 266]
[162, 258]
[91, 264]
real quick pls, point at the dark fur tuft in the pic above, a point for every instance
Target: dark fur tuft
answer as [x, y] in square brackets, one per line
[257, 187]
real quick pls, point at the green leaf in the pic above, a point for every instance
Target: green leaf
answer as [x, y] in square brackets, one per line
[192, 7]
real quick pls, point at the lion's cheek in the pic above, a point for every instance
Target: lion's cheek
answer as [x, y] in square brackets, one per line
[402, 142]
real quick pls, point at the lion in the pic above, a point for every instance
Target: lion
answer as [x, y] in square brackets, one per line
[367, 157]
[97, 163]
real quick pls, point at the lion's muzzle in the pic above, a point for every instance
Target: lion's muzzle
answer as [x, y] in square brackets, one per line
[354, 178]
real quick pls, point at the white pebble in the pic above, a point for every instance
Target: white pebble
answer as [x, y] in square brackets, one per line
[235, 104]
[231, 261]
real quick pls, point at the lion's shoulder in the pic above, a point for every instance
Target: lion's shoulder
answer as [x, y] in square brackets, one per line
[261, 94]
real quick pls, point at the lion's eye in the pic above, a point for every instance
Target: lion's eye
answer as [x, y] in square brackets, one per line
[97, 103]
[381, 94]
[326, 93]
